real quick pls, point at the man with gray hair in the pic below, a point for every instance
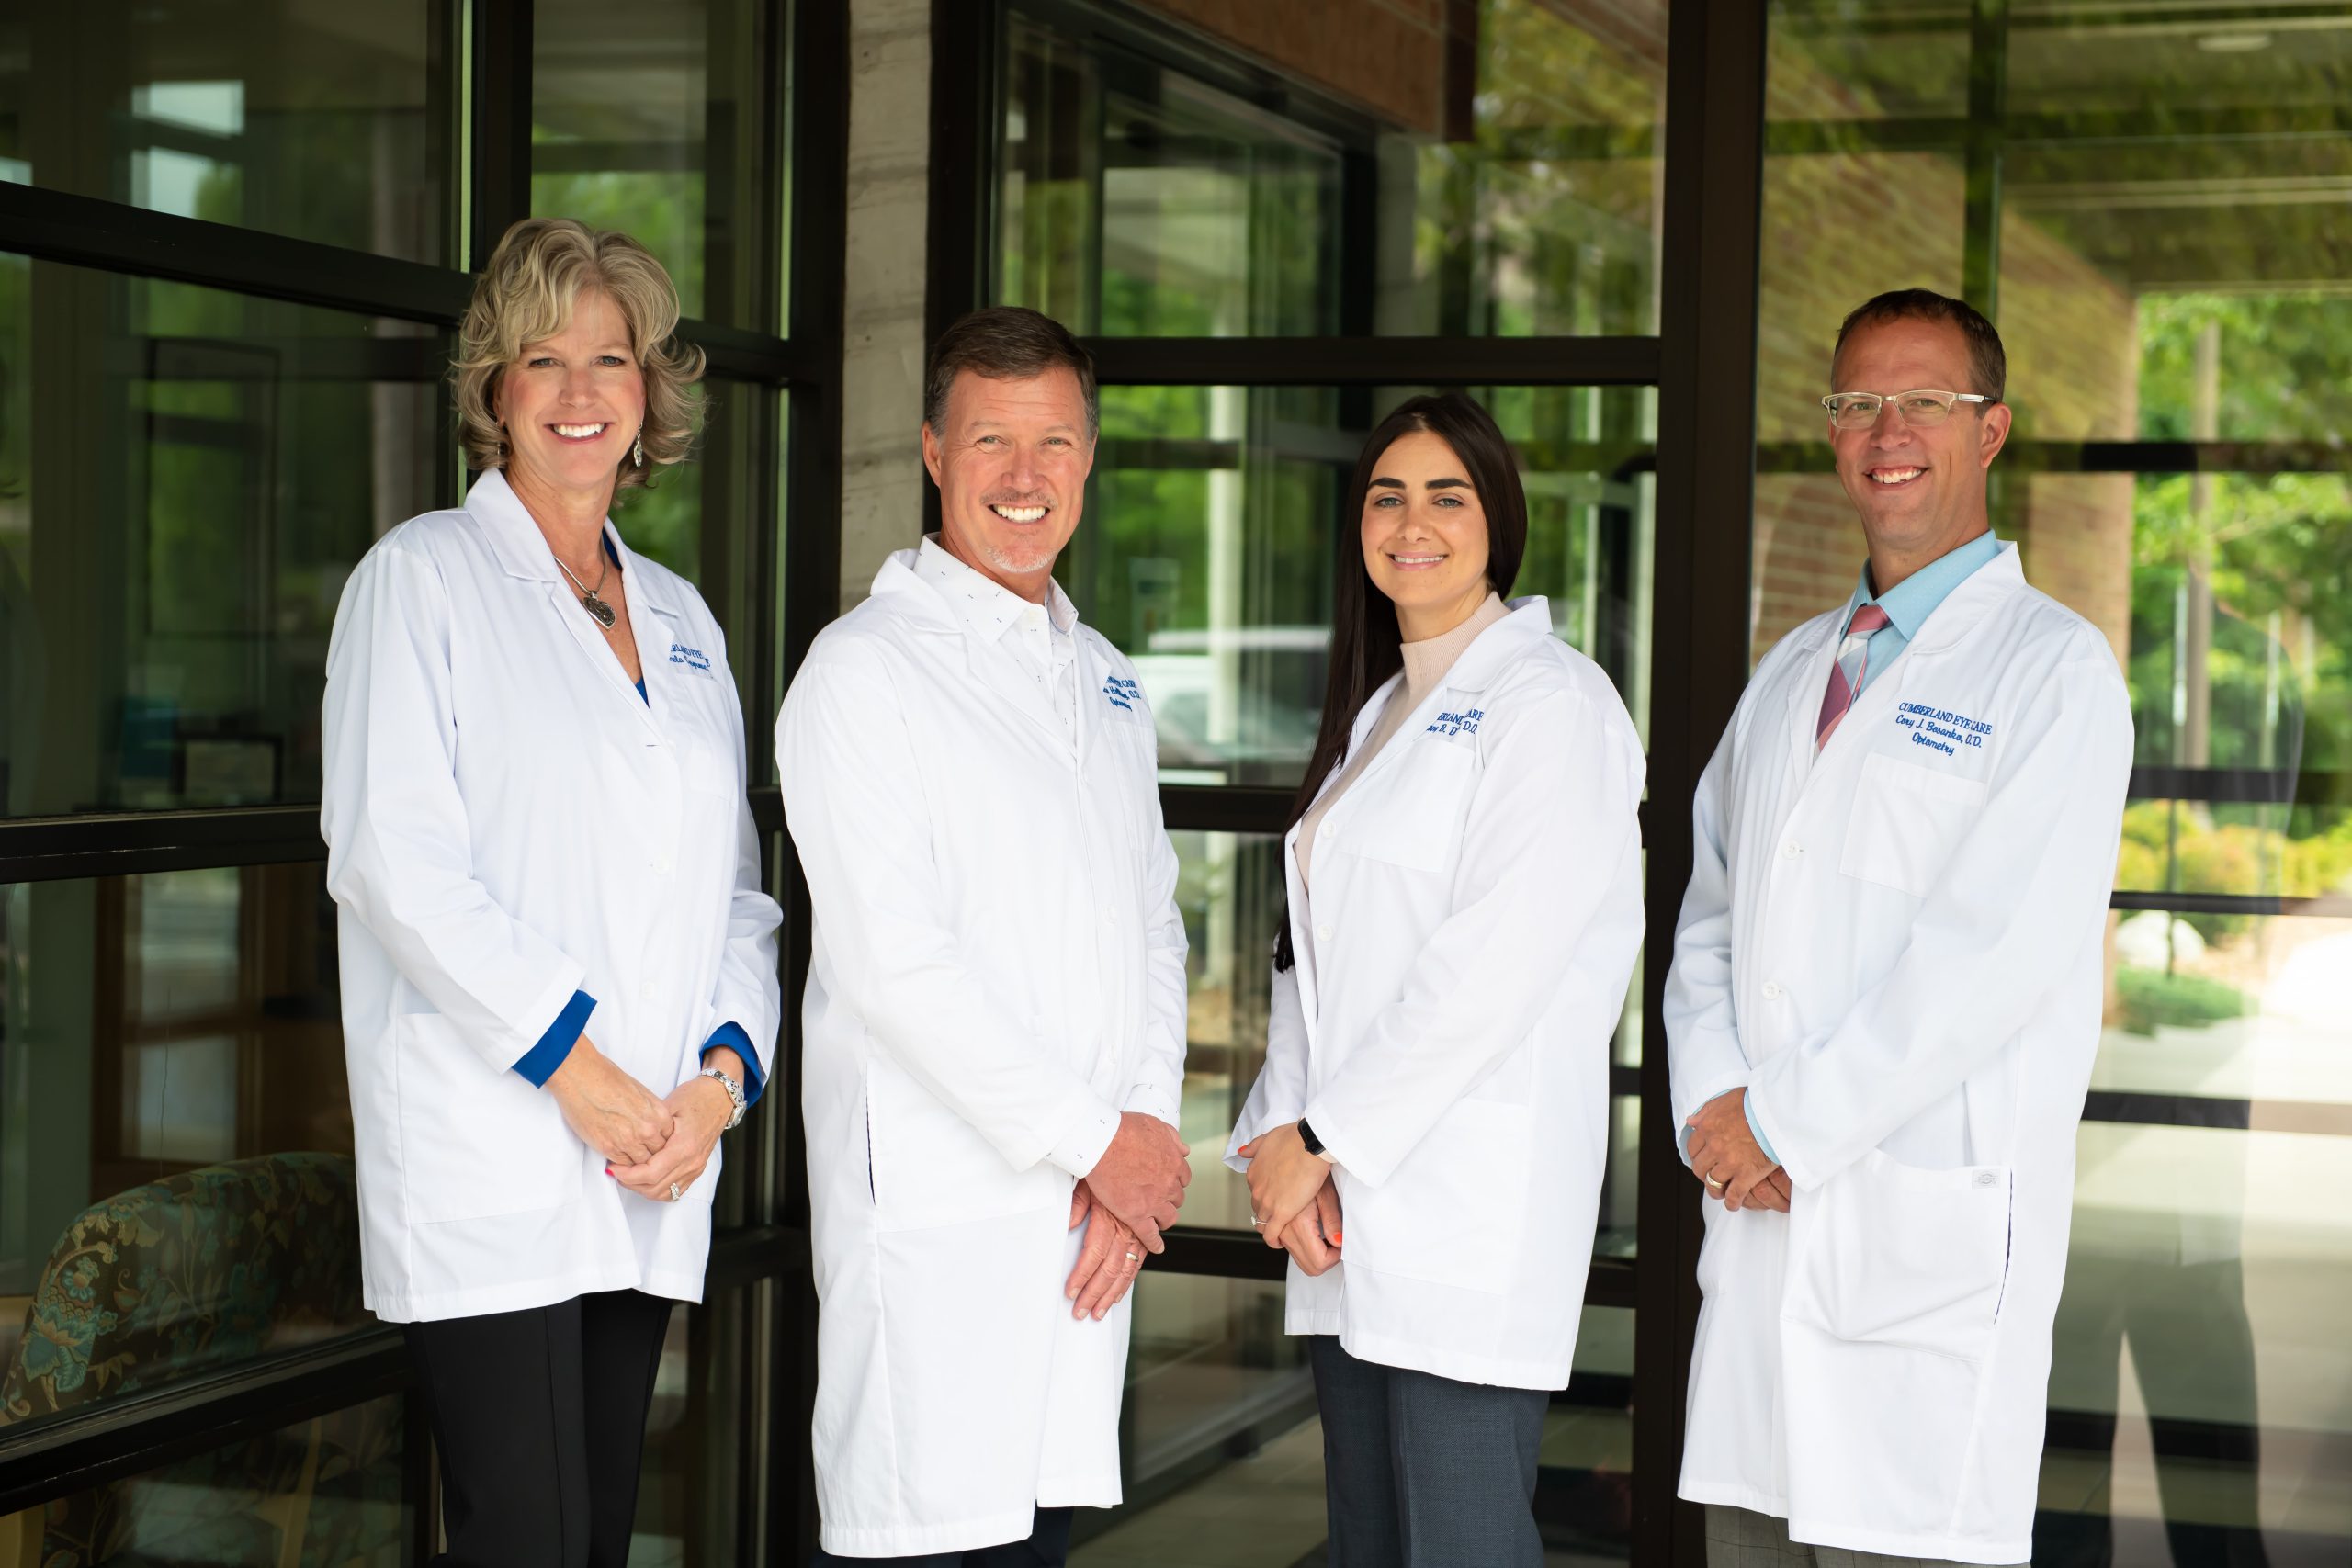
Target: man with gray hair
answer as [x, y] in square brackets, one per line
[994, 1024]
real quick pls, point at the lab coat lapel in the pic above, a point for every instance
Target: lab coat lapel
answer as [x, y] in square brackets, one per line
[1488, 653]
[523, 551]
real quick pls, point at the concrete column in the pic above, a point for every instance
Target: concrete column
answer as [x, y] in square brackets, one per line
[883, 349]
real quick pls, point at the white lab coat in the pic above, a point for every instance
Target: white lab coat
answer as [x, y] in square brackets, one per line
[1445, 1031]
[1898, 948]
[507, 822]
[997, 958]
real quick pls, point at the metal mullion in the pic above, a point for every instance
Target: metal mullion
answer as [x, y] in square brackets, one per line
[502, 122]
[811, 555]
[108, 236]
[1709, 265]
[119, 1438]
[1377, 361]
[2325, 906]
[50, 848]
[964, 155]
[1217, 1253]
[1225, 808]
[742, 354]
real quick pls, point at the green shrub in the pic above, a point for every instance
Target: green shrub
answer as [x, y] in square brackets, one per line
[2151, 996]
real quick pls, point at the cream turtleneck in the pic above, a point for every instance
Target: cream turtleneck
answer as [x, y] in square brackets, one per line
[1426, 663]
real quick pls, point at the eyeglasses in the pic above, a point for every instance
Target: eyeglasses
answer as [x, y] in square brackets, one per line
[1920, 410]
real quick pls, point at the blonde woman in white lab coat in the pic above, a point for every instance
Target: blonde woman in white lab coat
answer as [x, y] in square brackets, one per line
[558, 970]
[1427, 1137]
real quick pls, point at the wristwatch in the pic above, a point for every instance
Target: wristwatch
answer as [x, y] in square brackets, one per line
[734, 1092]
[1306, 1135]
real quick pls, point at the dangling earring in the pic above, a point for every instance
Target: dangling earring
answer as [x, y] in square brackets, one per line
[640, 446]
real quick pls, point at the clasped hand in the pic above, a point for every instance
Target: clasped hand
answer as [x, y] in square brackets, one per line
[1725, 1155]
[650, 1143]
[1141, 1178]
[1291, 1200]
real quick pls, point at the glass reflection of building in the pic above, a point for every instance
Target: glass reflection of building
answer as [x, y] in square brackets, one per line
[227, 277]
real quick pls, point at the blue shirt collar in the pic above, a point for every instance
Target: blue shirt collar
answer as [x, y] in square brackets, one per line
[1910, 602]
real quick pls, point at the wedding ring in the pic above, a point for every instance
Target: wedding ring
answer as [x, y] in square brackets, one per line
[1256, 1223]
[1708, 1179]
[1135, 1257]
[676, 1192]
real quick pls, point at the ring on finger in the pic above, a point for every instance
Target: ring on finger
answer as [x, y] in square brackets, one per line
[1713, 1183]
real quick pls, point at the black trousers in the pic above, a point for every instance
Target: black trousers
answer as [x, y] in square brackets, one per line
[1048, 1546]
[1421, 1472]
[540, 1419]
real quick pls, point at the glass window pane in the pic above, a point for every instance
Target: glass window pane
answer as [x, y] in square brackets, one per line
[331, 1489]
[1205, 553]
[210, 468]
[646, 117]
[1516, 198]
[169, 1041]
[1136, 200]
[1527, 201]
[330, 130]
[703, 1429]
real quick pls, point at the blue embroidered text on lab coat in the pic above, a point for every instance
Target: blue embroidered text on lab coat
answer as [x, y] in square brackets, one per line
[692, 657]
[1941, 730]
[1453, 724]
[1128, 695]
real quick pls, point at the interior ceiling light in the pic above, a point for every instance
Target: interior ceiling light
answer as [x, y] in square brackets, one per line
[2232, 43]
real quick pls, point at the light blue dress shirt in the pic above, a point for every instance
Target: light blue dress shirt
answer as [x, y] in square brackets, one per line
[1908, 606]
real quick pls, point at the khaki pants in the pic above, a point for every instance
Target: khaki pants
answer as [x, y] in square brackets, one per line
[1738, 1538]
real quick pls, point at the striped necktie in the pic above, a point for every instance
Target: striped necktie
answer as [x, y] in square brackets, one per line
[1846, 675]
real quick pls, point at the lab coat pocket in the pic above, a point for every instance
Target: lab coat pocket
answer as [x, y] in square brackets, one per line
[927, 1166]
[474, 1142]
[1891, 1254]
[1453, 1213]
[1905, 822]
[1412, 814]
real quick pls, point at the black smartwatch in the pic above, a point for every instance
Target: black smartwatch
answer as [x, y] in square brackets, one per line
[1306, 1135]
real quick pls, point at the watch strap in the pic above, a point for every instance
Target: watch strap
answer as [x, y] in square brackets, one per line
[734, 1092]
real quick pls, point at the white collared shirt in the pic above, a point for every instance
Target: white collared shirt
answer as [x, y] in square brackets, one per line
[1043, 638]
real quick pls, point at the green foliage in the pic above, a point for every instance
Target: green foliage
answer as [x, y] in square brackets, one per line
[2151, 999]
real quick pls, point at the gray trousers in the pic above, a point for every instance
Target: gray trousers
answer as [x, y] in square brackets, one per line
[1738, 1538]
[1421, 1472]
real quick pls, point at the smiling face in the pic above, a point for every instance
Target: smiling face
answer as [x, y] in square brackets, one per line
[573, 405]
[1011, 465]
[1425, 536]
[1920, 492]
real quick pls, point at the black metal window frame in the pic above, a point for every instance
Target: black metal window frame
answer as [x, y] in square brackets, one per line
[794, 350]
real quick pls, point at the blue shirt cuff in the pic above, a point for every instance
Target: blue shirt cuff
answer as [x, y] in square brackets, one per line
[539, 1062]
[735, 1039]
[1748, 1107]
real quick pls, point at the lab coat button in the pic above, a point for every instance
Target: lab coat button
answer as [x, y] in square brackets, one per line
[1322, 933]
[1790, 850]
[1771, 990]
[662, 865]
[1986, 1178]
[651, 989]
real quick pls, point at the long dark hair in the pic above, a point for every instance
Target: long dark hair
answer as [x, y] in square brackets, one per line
[1367, 647]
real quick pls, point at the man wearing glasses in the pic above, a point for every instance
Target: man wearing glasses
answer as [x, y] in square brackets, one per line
[1888, 979]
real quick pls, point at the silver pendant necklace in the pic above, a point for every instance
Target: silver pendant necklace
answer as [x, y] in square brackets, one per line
[588, 600]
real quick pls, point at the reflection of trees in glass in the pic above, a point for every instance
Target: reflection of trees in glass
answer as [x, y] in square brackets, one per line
[2276, 551]
[1541, 222]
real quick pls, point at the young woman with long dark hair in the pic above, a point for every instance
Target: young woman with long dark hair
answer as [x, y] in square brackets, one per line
[1464, 882]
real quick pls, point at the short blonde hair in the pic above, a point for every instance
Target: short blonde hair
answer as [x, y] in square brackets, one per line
[527, 295]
